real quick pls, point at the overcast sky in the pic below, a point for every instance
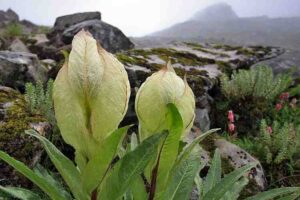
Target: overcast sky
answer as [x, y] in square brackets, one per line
[140, 17]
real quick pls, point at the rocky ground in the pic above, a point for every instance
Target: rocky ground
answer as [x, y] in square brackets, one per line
[35, 54]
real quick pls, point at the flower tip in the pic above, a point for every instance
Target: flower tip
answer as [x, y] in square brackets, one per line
[84, 33]
[168, 67]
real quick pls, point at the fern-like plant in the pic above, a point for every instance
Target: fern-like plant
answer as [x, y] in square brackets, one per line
[279, 143]
[40, 100]
[258, 82]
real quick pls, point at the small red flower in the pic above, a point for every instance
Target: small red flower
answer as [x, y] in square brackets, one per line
[230, 116]
[284, 96]
[231, 128]
[278, 106]
[270, 130]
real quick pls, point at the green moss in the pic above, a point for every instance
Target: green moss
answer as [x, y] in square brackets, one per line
[226, 166]
[208, 143]
[246, 52]
[225, 67]
[226, 47]
[194, 45]
[196, 77]
[12, 137]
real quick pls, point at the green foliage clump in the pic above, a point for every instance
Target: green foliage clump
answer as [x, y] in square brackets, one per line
[257, 82]
[13, 30]
[277, 147]
[251, 95]
[40, 100]
[278, 144]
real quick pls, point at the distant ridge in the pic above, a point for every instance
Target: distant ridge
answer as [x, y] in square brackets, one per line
[220, 24]
[216, 12]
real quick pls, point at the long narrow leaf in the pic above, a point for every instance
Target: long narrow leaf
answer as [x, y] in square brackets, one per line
[169, 150]
[270, 194]
[182, 177]
[199, 184]
[138, 189]
[214, 173]
[20, 193]
[219, 190]
[45, 174]
[28, 173]
[128, 169]
[64, 165]
[95, 169]
[235, 191]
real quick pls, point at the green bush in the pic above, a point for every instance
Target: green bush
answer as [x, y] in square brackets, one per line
[279, 143]
[277, 147]
[13, 30]
[251, 95]
[256, 83]
[40, 100]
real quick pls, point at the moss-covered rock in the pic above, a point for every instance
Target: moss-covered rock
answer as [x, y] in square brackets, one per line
[14, 120]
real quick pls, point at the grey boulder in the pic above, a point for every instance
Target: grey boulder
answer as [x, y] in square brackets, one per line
[238, 157]
[17, 68]
[18, 46]
[110, 37]
[63, 22]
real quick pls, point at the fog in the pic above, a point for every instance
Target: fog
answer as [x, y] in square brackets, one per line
[141, 17]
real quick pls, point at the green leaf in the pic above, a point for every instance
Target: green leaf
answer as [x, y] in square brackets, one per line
[138, 189]
[219, 190]
[169, 150]
[293, 196]
[96, 168]
[180, 183]
[64, 165]
[128, 169]
[45, 174]
[20, 193]
[270, 194]
[199, 184]
[214, 174]
[42, 183]
[235, 191]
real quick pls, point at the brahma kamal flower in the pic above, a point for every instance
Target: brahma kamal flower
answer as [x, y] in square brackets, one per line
[90, 94]
[160, 89]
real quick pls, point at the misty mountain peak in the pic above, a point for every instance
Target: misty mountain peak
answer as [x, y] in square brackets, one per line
[216, 12]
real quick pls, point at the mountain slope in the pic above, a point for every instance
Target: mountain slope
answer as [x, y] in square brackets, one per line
[220, 24]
